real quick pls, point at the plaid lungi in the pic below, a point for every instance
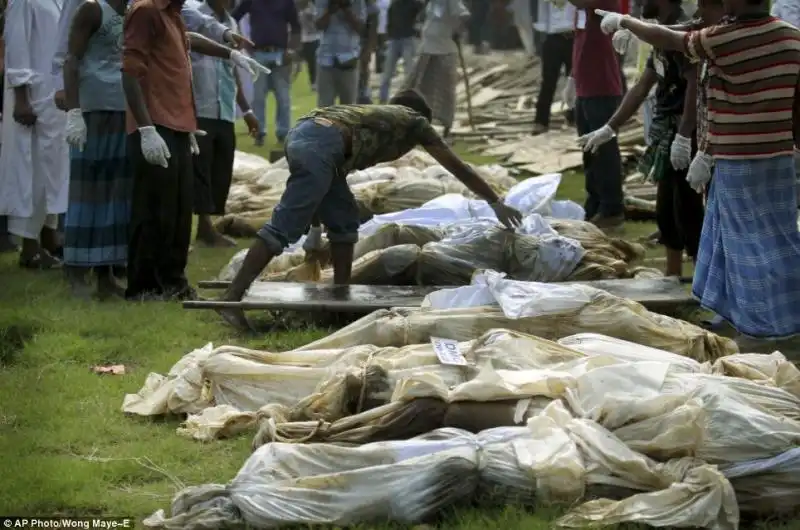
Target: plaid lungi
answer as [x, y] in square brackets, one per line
[748, 266]
[100, 187]
[436, 78]
[655, 160]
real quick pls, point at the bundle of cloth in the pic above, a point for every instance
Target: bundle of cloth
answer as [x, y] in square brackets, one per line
[652, 436]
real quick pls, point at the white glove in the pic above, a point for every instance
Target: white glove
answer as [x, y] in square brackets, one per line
[680, 153]
[248, 63]
[699, 173]
[193, 147]
[611, 21]
[313, 239]
[75, 132]
[568, 94]
[622, 41]
[154, 148]
[591, 142]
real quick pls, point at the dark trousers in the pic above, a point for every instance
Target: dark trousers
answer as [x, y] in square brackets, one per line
[213, 167]
[679, 211]
[310, 58]
[161, 218]
[603, 169]
[3, 226]
[480, 26]
[556, 56]
[380, 54]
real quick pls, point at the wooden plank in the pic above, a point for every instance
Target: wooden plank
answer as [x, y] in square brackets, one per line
[660, 293]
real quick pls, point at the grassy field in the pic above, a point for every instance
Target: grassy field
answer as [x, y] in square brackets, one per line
[65, 446]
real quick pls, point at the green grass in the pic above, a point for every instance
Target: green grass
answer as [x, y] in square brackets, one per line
[65, 447]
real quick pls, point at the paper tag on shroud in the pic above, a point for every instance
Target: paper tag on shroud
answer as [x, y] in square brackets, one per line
[447, 351]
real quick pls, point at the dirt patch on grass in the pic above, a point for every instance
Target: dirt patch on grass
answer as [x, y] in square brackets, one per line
[13, 338]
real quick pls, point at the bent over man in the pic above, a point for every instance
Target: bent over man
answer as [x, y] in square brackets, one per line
[322, 149]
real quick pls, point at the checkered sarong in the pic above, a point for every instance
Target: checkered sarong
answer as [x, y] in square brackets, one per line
[436, 78]
[748, 266]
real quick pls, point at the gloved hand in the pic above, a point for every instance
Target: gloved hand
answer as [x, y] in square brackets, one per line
[568, 94]
[507, 215]
[313, 239]
[621, 41]
[154, 148]
[699, 173]
[611, 21]
[75, 131]
[248, 63]
[591, 142]
[680, 153]
[193, 147]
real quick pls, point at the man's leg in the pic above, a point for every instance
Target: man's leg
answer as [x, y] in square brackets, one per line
[606, 165]
[281, 81]
[592, 203]
[393, 49]
[314, 151]
[339, 213]
[326, 86]
[310, 57]
[551, 71]
[6, 245]
[205, 167]
[176, 216]
[380, 54]
[259, 103]
[347, 86]
[409, 53]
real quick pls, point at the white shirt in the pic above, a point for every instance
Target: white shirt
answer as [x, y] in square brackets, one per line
[552, 19]
[442, 19]
[787, 10]
[383, 15]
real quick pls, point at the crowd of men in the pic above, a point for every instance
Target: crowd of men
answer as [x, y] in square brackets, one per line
[125, 122]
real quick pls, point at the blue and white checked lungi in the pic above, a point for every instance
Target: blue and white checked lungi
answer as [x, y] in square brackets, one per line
[748, 266]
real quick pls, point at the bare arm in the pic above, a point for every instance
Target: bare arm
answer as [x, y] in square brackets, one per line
[440, 151]
[327, 9]
[352, 19]
[205, 46]
[657, 36]
[689, 118]
[241, 99]
[633, 99]
[84, 24]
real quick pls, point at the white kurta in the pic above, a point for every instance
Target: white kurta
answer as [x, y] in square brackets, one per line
[34, 163]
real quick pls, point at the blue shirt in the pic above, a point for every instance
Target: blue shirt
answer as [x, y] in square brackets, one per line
[214, 79]
[339, 40]
[269, 20]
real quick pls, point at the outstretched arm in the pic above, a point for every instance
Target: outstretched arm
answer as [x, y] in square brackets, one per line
[660, 37]
[442, 153]
[634, 98]
[206, 46]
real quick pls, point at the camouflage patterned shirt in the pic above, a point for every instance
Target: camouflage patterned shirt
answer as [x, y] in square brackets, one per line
[379, 133]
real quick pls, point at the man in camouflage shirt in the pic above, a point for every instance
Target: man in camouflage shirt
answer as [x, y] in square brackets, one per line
[322, 149]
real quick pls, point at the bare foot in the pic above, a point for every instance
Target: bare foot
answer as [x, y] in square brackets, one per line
[235, 317]
[216, 240]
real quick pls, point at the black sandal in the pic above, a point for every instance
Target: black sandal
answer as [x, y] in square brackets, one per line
[41, 261]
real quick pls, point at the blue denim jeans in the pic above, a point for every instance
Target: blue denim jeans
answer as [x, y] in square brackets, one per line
[396, 49]
[279, 83]
[314, 152]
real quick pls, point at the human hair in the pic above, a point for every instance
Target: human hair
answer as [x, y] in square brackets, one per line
[413, 100]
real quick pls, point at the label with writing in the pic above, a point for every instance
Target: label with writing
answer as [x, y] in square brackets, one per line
[448, 352]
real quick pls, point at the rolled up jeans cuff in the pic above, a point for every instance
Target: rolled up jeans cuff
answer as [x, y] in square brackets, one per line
[351, 238]
[274, 244]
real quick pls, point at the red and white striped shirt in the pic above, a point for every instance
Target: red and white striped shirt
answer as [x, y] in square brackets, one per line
[753, 72]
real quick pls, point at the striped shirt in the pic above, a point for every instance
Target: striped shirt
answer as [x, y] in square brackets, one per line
[753, 68]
